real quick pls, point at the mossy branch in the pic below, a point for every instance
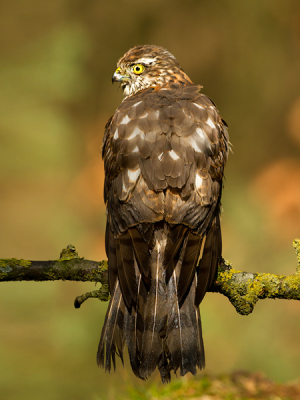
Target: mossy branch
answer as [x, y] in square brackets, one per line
[243, 289]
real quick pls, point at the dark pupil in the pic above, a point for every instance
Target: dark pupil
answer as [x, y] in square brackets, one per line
[137, 69]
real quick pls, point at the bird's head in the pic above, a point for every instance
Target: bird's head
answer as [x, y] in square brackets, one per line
[147, 66]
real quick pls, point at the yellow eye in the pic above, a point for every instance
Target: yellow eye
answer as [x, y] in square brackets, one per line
[138, 69]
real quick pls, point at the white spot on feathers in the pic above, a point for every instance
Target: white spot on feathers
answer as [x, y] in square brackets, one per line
[200, 132]
[173, 155]
[195, 146]
[125, 120]
[136, 132]
[199, 181]
[210, 123]
[116, 135]
[133, 175]
[136, 104]
[203, 141]
[197, 105]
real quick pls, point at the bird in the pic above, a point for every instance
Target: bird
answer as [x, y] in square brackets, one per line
[164, 151]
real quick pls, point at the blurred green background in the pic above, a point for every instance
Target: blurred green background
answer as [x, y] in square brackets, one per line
[56, 62]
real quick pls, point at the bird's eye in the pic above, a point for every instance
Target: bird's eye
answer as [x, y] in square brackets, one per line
[137, 69]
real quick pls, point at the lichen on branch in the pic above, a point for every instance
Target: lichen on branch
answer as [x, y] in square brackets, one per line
[243, 289]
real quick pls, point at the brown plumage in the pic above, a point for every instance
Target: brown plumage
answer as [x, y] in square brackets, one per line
[164, 154]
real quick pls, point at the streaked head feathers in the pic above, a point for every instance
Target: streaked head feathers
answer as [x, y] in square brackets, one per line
[147, 66]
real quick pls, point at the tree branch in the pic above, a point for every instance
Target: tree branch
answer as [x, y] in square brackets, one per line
[243, 289]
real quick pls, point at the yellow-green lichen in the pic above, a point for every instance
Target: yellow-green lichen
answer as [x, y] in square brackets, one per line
[224, 276]
[255, 287]
[292, 286]
[51, 275]
[103, 293]
[245, 289]
[102, 266]
[69, 253]
[14, 262]
[96, 274]
[4, 269]
[296, 244]
[7, 266]
[93, 276]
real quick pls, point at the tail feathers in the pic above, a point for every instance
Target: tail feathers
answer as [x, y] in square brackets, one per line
[155, 314]
[161, 326]
[112, 338]
[201, 358]
[159, 333]
[192, 252]
[133, 329]
[132, 340]
[184, 334]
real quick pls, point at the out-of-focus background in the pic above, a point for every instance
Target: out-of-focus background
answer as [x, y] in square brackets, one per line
[56, 62]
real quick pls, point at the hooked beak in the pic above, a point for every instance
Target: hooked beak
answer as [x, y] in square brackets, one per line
[118, 77]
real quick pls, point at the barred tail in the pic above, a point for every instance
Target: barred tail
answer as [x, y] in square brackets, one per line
[162, 327]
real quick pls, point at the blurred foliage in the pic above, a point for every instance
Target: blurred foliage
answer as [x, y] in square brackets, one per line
[238, 386]
[56, 63]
